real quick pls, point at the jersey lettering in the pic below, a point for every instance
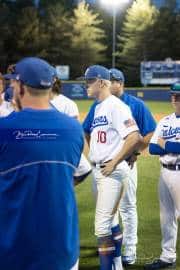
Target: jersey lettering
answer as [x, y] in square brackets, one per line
[171, 132]
[100, 121]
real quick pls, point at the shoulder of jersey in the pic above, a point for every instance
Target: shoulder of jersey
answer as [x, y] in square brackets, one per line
[167, 117]
[136, 100]
[118, 102]
[62, 98]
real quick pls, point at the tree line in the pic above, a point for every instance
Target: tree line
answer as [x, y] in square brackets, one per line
[81, 35]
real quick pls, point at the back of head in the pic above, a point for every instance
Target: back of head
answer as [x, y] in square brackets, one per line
[33, 72]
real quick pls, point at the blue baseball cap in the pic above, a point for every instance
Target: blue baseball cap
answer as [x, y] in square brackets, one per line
[117, 75]
[33, 72]
[175, 88]
[97, 72]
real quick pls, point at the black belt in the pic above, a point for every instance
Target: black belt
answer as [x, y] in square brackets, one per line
[101, 164]
[172, 167]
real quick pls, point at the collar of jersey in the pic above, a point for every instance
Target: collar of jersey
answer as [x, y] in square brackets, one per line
[37, 110]
[122, 97]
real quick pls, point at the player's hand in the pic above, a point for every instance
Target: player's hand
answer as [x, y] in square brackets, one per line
[131, 160]
[161, 142]
[108, 167]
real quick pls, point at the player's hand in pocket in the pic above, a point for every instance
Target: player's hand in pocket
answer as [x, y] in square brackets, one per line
[132, 160]
[108, 167]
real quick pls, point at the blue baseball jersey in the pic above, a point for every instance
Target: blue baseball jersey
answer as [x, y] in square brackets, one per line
[39, 151]
[140, 112]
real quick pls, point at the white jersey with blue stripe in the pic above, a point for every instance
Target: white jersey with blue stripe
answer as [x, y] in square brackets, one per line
[111, 124]
[65, 105]
[168, 129]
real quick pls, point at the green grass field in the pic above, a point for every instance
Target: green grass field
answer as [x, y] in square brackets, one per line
[148, 208]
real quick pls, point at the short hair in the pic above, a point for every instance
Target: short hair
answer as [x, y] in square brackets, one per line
[37, 92]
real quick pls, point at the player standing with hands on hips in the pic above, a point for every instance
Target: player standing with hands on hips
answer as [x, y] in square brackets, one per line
[166, 143]
[113, 135]
[40, 149]
[146, 125]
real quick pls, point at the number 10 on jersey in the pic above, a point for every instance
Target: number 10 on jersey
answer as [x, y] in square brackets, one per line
[101, 137]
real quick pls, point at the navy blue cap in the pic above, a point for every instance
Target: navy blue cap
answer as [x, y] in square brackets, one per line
[33, 72]
[97, 72]
[117, 75]
[175, 88]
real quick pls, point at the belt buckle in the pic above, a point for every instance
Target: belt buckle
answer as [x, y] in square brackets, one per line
[98, 166]
[177, 167]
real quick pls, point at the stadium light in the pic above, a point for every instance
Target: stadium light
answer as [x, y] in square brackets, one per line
[114, 5]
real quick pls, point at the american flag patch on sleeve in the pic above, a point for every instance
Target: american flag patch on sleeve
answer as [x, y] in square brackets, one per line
[129, 123]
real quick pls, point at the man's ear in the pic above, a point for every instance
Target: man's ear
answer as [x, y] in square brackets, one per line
[21, 91]
[102, 84]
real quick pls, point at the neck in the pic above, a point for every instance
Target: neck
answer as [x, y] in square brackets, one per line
[40, 103]
[104, 94]
[1, 99]
[121, 92]
[178, 112]
[53, 95]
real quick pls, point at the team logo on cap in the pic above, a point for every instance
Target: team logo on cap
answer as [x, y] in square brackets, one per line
[45, 83]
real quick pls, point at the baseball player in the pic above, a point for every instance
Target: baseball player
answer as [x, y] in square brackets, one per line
[166, 143]
[113, 135]
[40, 149]
[69, 107]
[61, 102]
[146, 125]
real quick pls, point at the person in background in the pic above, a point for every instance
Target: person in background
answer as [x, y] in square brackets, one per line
[66, 105]
[146, 125]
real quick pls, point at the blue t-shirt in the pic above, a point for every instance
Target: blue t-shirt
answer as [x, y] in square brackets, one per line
[140, 112]
[39, 150]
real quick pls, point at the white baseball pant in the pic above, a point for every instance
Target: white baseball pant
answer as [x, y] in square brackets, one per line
[169, 194]
[128, 212]
[108, 192]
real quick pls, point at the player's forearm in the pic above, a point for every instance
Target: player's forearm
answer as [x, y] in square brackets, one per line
[145, 141]
[131, 145]
[155, 149]
[87, 137]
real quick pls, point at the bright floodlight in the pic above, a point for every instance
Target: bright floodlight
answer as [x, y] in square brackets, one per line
[113, 3]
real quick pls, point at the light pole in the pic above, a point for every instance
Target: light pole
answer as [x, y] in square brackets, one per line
[114, 4]
[114, 38]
